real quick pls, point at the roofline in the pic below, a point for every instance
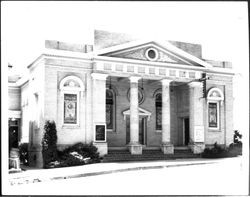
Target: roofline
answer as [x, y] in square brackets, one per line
[162, 43]
[163, 64]
[61, 54]
[143, 62]
[92, 56]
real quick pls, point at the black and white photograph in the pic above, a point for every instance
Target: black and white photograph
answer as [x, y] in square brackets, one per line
[125, 98]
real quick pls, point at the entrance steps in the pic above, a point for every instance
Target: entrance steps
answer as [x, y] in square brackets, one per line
[148, 155]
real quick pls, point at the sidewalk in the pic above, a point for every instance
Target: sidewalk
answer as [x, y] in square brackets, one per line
[39, 175]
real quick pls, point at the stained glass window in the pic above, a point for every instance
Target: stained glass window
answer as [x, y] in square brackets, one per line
[212, 115]
[158, 109]
[110, 108]
[70, 108]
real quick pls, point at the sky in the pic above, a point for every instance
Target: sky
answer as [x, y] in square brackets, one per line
[221, 28]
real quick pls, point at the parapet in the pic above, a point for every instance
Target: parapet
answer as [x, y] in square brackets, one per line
[53, 44]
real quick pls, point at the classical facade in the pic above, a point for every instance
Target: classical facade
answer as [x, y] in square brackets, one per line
[122, 93]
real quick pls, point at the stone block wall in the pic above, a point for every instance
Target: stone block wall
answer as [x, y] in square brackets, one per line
[224, 135]
[14, 101]
[25, 113]
[54, 100]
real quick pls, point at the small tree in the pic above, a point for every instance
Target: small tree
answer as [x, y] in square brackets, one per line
[49, 149]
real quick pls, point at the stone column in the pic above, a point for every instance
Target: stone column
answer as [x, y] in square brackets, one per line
[167, 147]
[134, 146]
[99, 109]
[196, 119]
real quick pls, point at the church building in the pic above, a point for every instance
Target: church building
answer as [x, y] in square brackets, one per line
[123, 93]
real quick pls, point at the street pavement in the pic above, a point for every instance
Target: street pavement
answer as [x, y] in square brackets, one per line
[176, 177]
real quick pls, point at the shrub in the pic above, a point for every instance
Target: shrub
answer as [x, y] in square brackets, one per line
[49, 149]
[215, 152]
[219, 152]
[23, 150]
[77, 155]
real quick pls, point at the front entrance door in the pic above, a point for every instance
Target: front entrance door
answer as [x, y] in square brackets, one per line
[142, 130]
[186, 131]
[13, 134]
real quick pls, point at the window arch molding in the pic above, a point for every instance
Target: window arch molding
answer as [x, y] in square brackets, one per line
[77, 86]
[159, 90]
[215, 94]
[71, 88]
[112, 88]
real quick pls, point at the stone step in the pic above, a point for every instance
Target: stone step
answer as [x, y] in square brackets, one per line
[146, 159]
[123, 152]
[147, 155]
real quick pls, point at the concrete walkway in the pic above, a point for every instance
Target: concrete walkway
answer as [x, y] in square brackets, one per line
[38, 175]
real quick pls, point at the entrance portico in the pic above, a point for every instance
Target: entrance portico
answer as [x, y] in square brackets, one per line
[135, 129]
[176, 104]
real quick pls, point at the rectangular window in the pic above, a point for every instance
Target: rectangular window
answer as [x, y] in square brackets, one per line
[70, 108]
[213, 115]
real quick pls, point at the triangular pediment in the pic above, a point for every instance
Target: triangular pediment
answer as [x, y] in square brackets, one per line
[153, 51]
[142, 112]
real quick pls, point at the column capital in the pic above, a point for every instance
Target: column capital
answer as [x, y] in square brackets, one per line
[166, 81]
[99, 76]
[194, 84]
[134, 79]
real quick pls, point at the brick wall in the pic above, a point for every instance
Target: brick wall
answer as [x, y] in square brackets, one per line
[118, 138]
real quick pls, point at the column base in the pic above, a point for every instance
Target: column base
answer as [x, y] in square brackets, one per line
[135, 148]
[102, 148]
[167, 148]
[197, 148]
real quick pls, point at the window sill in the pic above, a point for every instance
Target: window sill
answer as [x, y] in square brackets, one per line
[65, 126]
[213, 130]
[110, 130]
[158, 131]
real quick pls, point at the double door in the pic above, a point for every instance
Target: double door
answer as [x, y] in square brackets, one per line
[142, 130]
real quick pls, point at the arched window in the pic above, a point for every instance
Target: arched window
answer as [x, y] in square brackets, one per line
[215, 99]
[158, 111]
[71, 88]
[110, 110]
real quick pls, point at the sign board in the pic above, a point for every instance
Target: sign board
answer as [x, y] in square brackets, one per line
[100, 133]
[199, 133]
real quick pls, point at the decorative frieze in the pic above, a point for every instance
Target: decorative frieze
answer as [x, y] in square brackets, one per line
[119, 67]
[130, 68]
[146, 70]
[107, 66]
[162, 71]
[141, 69]
[151, 71]
[182, 73]
[172, 73]
[191, 75]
